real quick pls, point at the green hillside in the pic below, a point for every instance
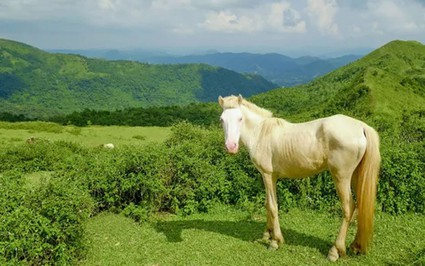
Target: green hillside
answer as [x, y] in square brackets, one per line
[40, 84]
[383, 86]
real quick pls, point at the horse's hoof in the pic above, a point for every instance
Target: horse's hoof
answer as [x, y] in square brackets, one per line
[333, 254]
[355, 248]
[273, 245]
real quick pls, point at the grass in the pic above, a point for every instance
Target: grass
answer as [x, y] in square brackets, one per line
[227, 237]
[92, 136]
[224, 236]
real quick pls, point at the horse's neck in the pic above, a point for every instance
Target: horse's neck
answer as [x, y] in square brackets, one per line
[251, 127]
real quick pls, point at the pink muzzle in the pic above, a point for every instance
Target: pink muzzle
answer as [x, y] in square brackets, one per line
[232, 147]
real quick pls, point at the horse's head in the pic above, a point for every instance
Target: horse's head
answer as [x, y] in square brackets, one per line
[231, 120]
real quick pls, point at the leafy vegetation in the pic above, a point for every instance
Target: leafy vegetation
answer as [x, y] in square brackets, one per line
[188, 173]
[201, 114]
[39, 84]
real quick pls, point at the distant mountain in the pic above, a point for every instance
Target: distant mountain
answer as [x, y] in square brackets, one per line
[279, 69]
[39, 84]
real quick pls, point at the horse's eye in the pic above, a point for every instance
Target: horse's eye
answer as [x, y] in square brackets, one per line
[240, 119]
[221, 120]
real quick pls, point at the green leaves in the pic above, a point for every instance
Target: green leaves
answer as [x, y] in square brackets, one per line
[49, 189]
[43, 225]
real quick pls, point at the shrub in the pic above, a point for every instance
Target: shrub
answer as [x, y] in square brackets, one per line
[41, 155]
[43, 225]
[401, 185]
[118, 177]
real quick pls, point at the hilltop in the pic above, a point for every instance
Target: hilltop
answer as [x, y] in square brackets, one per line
[40, 84]
[382, 86]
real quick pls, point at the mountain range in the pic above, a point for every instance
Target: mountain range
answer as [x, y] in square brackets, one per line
[280, 69]
[40, 84]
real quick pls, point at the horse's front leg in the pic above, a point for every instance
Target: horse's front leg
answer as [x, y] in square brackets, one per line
[272, 232]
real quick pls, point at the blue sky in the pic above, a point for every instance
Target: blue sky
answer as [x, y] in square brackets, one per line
[313, 27]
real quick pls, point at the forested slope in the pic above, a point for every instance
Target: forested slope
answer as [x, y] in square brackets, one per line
[39, 84]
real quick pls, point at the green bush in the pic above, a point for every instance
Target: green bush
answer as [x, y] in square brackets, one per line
[42, 222]
[44, 225]
[402, 181]
[118, 177]
[41, 155]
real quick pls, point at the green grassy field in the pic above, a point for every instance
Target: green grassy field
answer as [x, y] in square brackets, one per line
[92, 136]
[224, 235]
[228, 237]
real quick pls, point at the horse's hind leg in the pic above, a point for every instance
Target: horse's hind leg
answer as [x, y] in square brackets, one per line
[343, 187]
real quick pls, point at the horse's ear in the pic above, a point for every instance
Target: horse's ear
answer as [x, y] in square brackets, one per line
[240, 99]
[220, 100]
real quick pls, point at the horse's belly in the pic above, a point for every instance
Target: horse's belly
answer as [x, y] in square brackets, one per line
[298, 165]
[289, 170]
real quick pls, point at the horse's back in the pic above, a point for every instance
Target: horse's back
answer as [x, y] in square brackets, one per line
[342, 130]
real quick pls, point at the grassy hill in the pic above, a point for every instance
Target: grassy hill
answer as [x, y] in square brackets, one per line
[383, 86]
[40, 84]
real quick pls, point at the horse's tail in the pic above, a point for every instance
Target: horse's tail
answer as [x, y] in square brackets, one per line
[367, 178]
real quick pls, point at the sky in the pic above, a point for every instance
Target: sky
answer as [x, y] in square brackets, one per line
[292, 27]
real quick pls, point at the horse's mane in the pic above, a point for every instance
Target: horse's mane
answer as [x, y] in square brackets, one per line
[234, 102]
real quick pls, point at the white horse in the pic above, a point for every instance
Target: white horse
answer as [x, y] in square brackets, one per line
[347, 147]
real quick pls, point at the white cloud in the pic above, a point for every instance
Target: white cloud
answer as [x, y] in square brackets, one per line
[228, 22]
[274, 17]
[323, 13]
[394, 16]
[266, 24]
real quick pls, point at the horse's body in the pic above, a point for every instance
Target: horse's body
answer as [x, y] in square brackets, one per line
[347, 147]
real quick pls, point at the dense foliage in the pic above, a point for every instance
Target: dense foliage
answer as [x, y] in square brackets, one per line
[201, 114]
[39, 84]
[42, 219]
[188, 173]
